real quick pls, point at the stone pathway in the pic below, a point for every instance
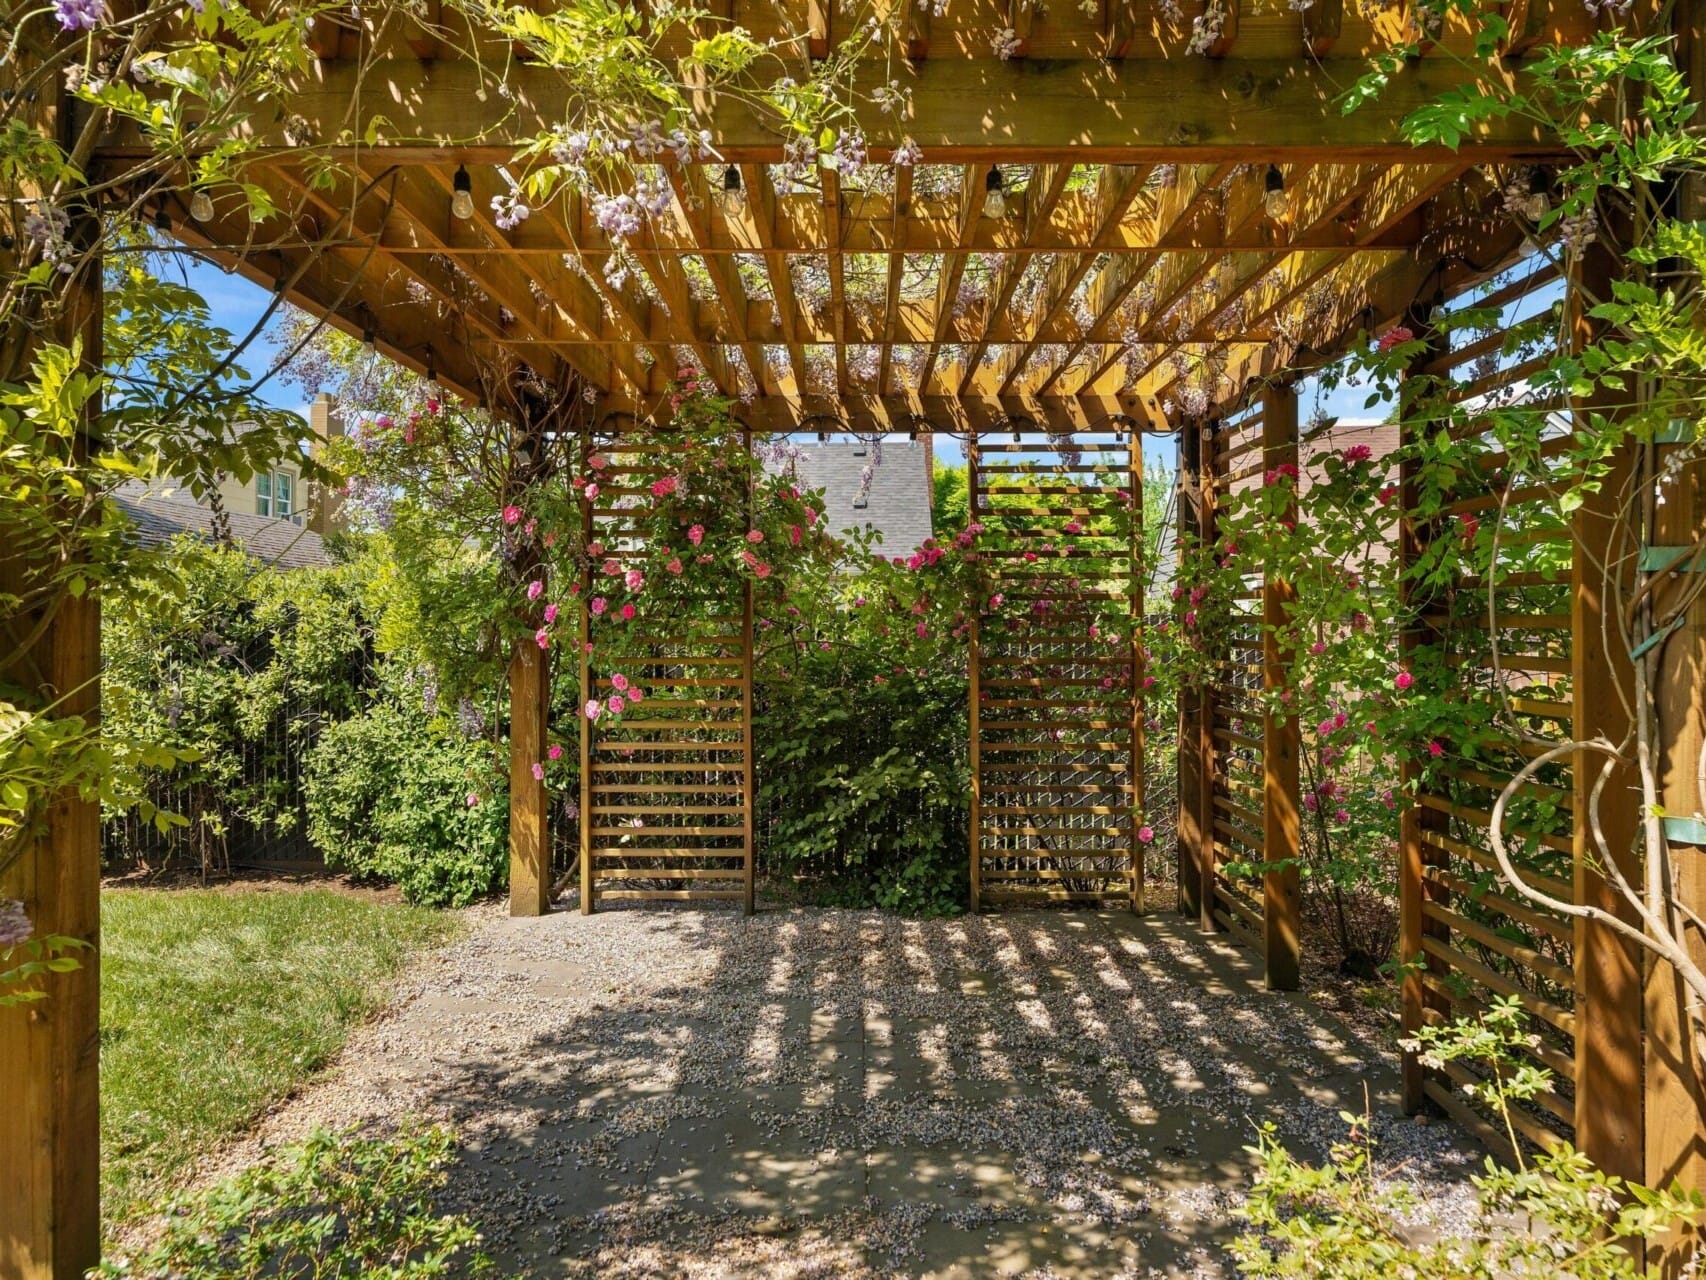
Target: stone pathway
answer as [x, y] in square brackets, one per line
[686, 1093]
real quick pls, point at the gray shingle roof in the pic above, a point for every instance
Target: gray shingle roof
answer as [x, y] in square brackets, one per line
[898, 502]
[279, 543]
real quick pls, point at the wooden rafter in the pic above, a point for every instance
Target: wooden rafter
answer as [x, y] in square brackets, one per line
[691, 201]
[897, 268]
[954, 265]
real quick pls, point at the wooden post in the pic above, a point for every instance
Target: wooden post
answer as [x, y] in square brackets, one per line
[1609, 1122]
[1417, 1002]
[749, 772]
[1675, 1119]
[50, 1227]
[1282, 923]
[529, 819]
[583, 655]
[1135, 589]
[1188, 512]
[1206, 765]
[974, 710]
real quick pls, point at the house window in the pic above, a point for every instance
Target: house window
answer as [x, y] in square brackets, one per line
[275, 494]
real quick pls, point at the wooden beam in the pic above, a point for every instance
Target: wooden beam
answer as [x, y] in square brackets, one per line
[962, 111]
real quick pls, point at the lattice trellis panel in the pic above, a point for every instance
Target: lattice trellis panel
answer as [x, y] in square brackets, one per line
[1235, 462]
[1477, 938]
[666, 789]
[1057, 714]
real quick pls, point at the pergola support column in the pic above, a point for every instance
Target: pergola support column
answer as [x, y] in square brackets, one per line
[1282, 924]
[1193, 696]
[529, 805]
[50, 1049]
[1608, 970]
[1418, 1001]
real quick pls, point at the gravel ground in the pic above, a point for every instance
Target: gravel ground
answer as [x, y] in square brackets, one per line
[657, 1092]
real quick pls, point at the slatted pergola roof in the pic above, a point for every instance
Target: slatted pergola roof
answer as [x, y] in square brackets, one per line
[1136, 266]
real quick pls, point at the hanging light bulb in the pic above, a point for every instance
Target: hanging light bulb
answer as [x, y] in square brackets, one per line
[994, 194]
[462, 197]
[1536, 205]
[733, 196]
[1276, 203]
[201, 206]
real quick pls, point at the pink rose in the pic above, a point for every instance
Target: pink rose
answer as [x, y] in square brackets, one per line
[1404, 680]
[538, 772]
[1145, 835]
[634, 579]
[627, 613]
[674, 566]
[1358, 453]
[551, 613]
[554, 751]
[635, 694]
[762, 570]
[1393, 338]
[593, 709]
[473, 799]
[599, 605]
[696, 534]
[619, 682]
[614, 704]
[598, 462]
[612, 567]
[542, 638]
[755, 536]
[795, 533]
[535, 590]
[1435, 750]
[512, 515]
[591, 491]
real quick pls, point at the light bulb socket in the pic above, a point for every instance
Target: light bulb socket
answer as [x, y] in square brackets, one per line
[731, 181]
[462, 194]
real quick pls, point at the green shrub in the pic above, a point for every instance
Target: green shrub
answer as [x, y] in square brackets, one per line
[333, 1206]
[1557, 1216]
[864, 781]
[395, 795]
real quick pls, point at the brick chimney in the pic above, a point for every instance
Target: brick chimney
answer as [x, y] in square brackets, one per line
[324, 423]
[929, 439]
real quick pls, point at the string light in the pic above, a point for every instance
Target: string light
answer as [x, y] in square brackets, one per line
[733, 196]
[1275, 200]
[994, 194]
[462, 196]
[201, 206]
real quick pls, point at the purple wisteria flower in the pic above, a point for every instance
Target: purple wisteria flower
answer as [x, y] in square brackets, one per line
[617, 216]
[509, 212]
[15, 926]
[80, 15]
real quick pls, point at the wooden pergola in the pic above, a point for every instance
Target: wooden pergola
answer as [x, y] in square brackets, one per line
[1102, 228]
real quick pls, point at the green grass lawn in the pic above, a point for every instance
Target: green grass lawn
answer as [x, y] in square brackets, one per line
[215, 1003]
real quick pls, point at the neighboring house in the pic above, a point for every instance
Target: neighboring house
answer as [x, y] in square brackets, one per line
[274, 516]
[158, 515]
[895, 503]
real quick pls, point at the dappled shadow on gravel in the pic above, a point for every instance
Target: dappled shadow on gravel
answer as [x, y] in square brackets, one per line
[689, 1093]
